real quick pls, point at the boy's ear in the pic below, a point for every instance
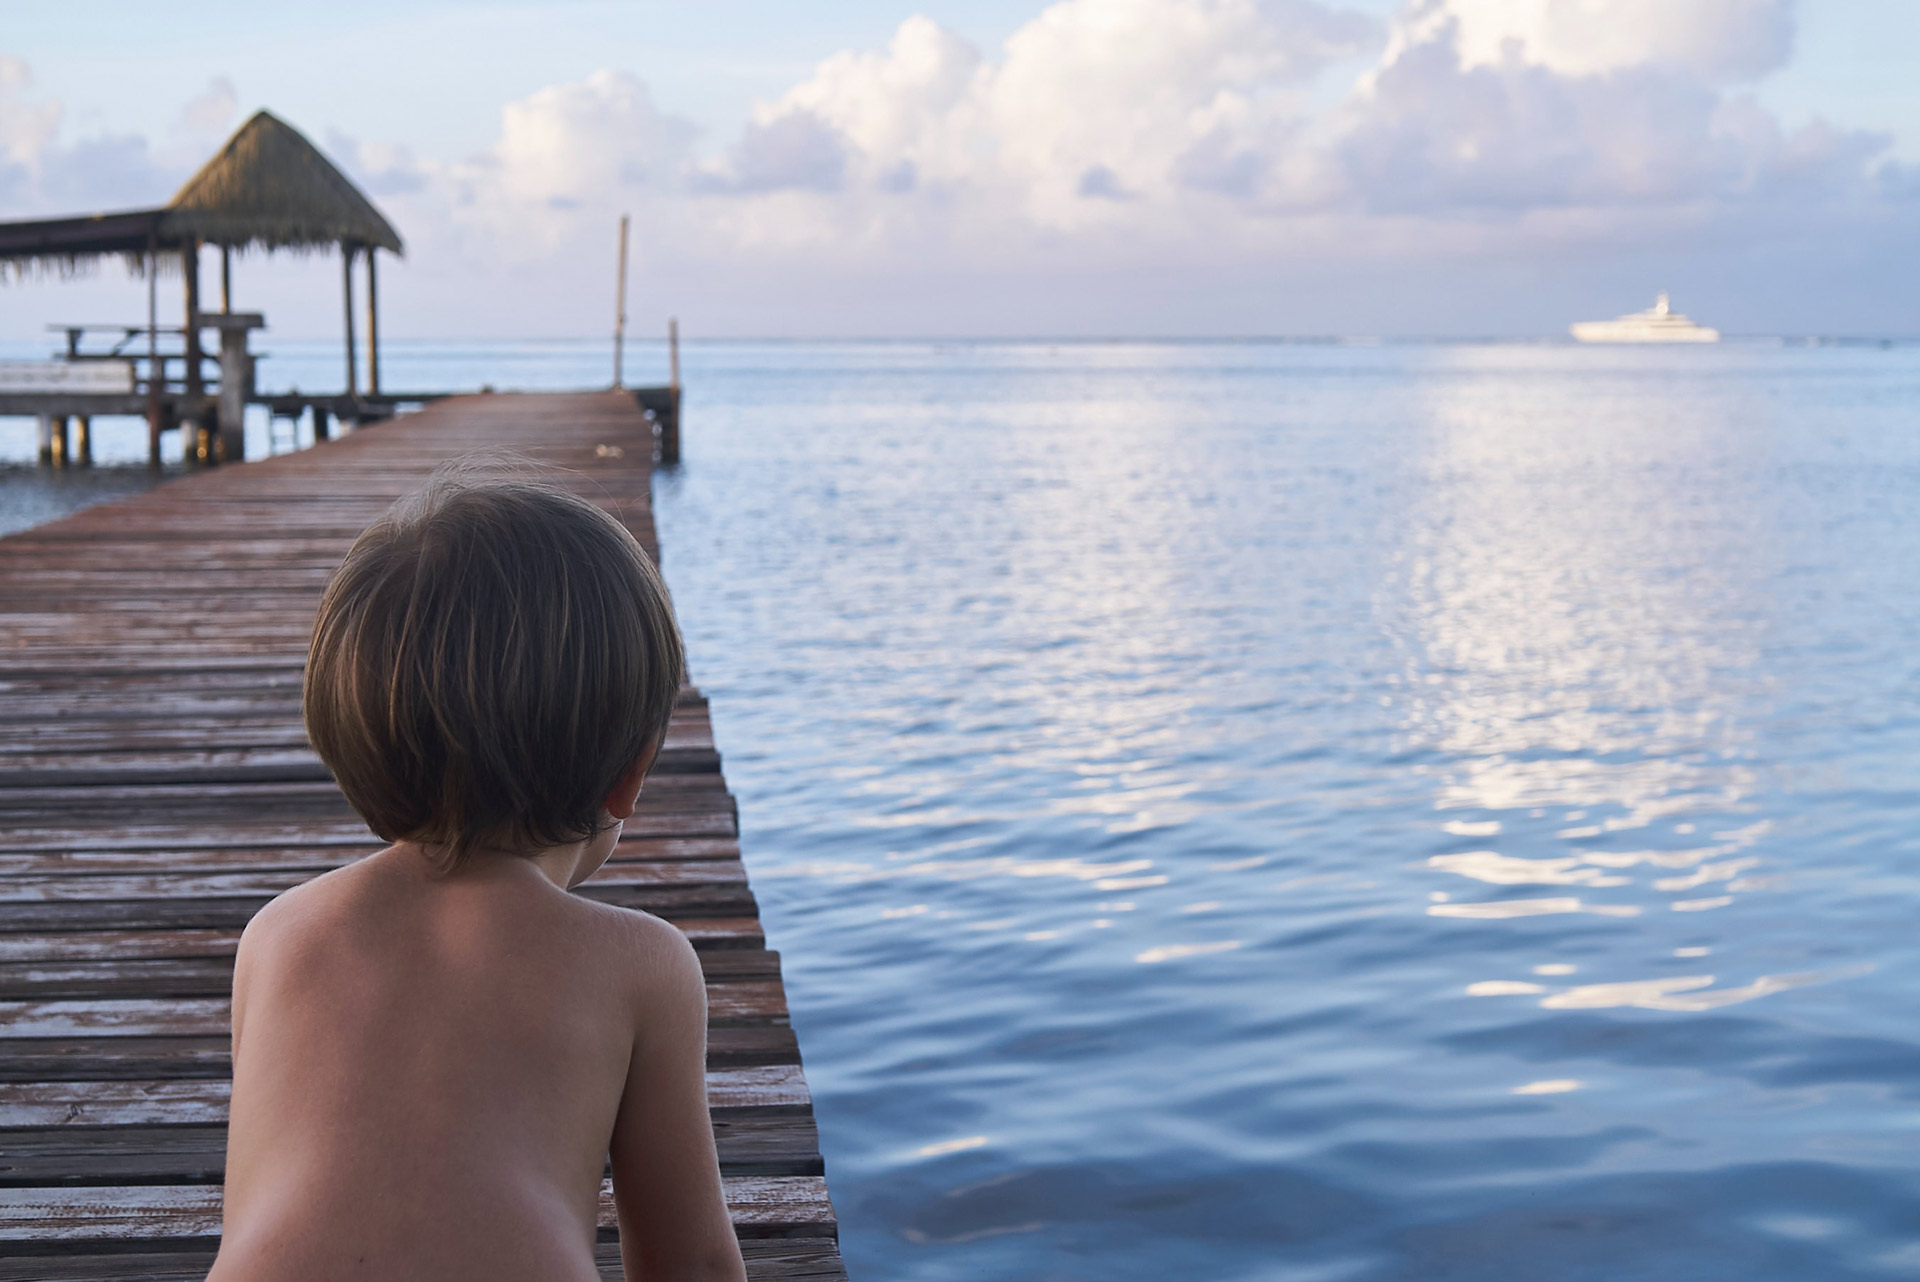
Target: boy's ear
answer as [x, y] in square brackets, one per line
[626, 789]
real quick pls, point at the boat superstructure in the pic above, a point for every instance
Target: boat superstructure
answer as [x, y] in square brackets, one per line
[1658, 324]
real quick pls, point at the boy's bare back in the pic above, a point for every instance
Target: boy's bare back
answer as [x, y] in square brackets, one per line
[438, 1049]
[428, 1071]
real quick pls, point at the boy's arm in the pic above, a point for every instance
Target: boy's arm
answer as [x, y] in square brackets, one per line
[242, 971]
[666, 1175]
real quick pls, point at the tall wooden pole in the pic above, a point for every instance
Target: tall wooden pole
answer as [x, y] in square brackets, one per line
[226, 278]
[373, 325]
[620, 307]
[670, 421]
[153, 354]
[190, 260]
[346, 286]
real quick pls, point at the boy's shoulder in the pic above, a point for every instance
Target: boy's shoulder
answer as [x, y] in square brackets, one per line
[307, 914]
[352, 898]
[656, 939]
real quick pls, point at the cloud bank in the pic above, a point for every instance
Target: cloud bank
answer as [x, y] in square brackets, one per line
[1150, 166]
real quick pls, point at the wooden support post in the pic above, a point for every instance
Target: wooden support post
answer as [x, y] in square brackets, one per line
[346, 286]
[320, 429]
[46, 440]
[83, 440]
[373, 326]
[620, 308]
[62, 445]
[236, 386]
[193, 411]
[154, 378]
[190, 264]
[670, 419]
[226, 278]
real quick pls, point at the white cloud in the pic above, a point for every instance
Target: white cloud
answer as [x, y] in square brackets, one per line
[211, 113]
[26, 128]
[567, 158]
[1091, 102]
[40, 174]
[1714, 39]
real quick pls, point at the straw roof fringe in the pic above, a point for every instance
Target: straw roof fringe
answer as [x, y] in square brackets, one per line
[270, 187]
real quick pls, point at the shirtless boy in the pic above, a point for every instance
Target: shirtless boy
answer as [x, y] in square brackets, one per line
[435, 1049]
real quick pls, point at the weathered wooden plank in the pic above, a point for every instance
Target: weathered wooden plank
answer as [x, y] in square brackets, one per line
[137, 942]
[672, 902]
[795, 1259]
[204, 1016]
[93, 1104]
[762, 1206]
[310, 859]
[749, 1141]
[51, 1059]
[30, 889]
[213, 976]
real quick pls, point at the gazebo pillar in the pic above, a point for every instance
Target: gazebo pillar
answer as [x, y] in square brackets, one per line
[194, 419]
[346, 289]
[154, 369]
[373, 324]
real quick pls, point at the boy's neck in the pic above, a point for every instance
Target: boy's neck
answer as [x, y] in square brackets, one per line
[563, 866]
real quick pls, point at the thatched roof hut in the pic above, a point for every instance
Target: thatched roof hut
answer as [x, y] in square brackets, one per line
[269, 187]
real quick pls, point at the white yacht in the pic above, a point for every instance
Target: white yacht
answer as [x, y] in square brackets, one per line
[1658, 324]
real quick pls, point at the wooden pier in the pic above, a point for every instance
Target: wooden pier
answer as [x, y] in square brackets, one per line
[156, 789]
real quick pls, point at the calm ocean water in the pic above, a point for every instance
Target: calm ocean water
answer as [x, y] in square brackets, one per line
[1245, 811]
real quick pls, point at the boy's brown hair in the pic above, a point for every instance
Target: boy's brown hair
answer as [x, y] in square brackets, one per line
[493, 654]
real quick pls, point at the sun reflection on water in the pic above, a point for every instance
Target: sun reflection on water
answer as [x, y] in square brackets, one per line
[1554, 661]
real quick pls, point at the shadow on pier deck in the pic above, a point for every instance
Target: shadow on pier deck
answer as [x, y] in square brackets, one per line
[156, 789]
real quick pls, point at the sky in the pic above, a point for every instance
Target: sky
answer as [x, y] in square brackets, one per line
[1086, 168]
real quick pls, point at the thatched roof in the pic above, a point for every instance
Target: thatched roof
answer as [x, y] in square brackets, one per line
[270, 187]
[70, 245]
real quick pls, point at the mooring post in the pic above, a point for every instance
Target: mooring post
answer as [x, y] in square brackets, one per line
[670, 420]
[321, 430]
[620, 308]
